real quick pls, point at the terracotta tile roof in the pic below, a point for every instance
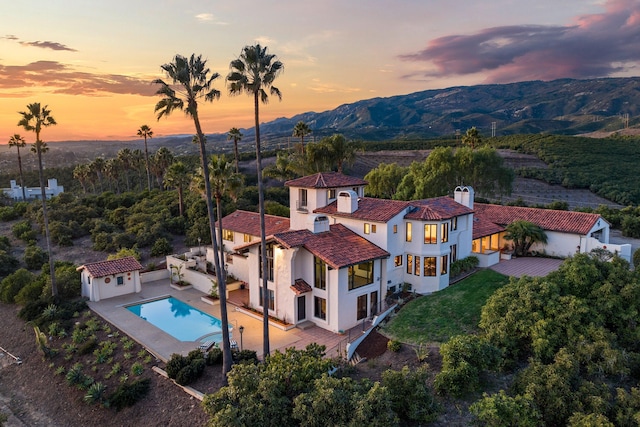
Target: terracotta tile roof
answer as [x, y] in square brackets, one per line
[300, 287]
[482, 227]
[111, 267]
[325, 180]
[249, 223]
[339, 247]
[548, 219]
[437, 209]
[369, 209]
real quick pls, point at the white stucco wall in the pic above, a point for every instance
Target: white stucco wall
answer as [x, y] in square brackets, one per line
[97, 289]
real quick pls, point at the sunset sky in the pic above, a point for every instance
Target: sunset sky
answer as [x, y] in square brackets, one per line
[92, 62]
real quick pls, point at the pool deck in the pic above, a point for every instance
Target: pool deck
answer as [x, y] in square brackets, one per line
[163, 345]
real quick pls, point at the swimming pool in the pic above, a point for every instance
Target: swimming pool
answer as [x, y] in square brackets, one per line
[179, 319]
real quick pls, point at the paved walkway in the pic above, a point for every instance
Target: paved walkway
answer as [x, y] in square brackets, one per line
[164, 345]
[527, 266]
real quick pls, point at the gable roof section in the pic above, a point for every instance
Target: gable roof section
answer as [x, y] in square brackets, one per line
[339, 247]
[249, 223]
[482, 227]
[325, 180]
[437, 209]
[548, 219]
[369, 209]
[111, 267]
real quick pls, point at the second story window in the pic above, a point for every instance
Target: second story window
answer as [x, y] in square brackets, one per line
[302, 199]
[269, 262]
[430, 233]
[331, 195]
[227, 235]
[445, 232]
[319, 273]
[454, 223]
[367, 228]
[408, 232]
[247, 238]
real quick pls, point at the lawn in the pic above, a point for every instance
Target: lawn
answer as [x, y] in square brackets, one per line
[452, 311]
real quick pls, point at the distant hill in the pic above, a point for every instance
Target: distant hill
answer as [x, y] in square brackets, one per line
[561, 106]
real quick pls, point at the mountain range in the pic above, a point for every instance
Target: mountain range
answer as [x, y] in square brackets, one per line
[564, 106]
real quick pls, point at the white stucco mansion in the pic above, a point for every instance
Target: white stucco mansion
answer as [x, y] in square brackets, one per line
[340, 253]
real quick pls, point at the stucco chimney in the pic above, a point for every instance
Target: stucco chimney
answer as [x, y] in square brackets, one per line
[347, 201]
[464, 196]
[318, 223]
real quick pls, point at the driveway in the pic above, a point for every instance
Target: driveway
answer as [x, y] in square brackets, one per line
[527, 266]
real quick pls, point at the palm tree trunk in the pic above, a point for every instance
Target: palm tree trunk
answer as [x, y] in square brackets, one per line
[180, 201]
[263, 243]
[24, 191]
[235, 149]
[146, 158]
[45, 217]
[222, 287]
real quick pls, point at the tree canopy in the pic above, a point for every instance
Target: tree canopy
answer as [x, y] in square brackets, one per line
[446, 168]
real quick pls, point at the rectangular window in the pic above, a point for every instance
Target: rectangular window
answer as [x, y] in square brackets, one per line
[430, 233]
[331, 194]
[429, 266]
[360, 275]
[373, 228]
[119, 280]
[409, 264]
[454, 253]
[444, 267]
[247, 238]
[367, 228]
[398, 260]
[374, 303]
[445, 232]
[272, 299]
[319, 273]
[395, 228]
[454, 223]
[269, 262]
[227, 235]
[408, 232]
[361, 307]
[302, 199]
[320, 308]
[417, 269]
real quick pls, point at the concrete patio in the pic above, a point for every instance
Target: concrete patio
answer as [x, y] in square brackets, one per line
[163, 345]
[527, 266]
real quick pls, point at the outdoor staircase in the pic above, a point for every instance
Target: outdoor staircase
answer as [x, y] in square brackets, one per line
[355, 359]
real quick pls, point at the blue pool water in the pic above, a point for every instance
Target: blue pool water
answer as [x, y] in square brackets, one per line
[179, 319]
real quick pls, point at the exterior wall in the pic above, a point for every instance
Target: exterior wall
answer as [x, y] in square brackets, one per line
[342, 302]
[15, 191]
[316, 198]
[97, 288]
[152, 276]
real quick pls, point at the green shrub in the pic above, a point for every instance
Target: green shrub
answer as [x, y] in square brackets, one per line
[29, 293]
[22, 228]
[34, 257]
[175, 364]
[8, 213]
[161, 247]
[245, 356]
[503, 410]
[214, 356]
[95, 393]
[411, 398]
[11, 285]
[394, 345]
[88, 347]
[137, 369]
[128, 394]
[195, 354]
[75, 375]
[5, 243]
[191, 372]
[8, 264]
[636, 259]
[33, 309]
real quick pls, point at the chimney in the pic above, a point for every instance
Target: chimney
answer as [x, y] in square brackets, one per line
[464, 196]
[347, 201]
[318, 223]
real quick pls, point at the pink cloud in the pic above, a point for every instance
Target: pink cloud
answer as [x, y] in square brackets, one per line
[595, 46]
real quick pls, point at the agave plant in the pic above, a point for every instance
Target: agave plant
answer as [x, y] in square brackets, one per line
[95, 393]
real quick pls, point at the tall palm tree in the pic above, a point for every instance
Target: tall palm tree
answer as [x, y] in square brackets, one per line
[253, 73]
[235, 135]
[342, 151]
[19, 142]
[179, 177]
[137, 159]
[161, 162]
[300, 130]
[33, 120]
[125, 158]
[146, 132]
[98, 166]
[111, 170]
[223, 182]
[81, 173]
[190, 82]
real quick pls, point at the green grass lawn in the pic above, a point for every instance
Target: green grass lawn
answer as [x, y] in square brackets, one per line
[452, 311]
